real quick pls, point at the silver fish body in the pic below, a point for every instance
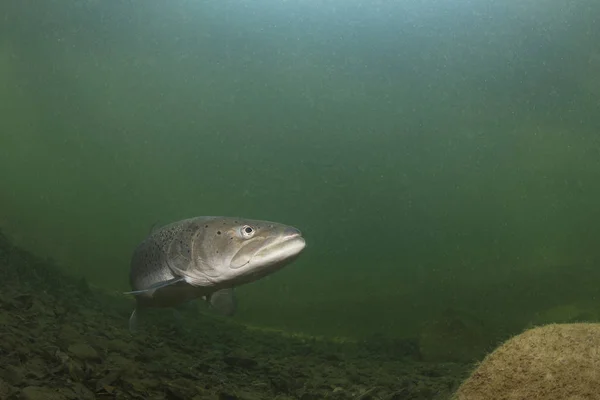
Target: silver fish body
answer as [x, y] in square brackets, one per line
[207, 257]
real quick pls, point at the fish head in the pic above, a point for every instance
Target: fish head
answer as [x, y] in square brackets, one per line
[232, 251]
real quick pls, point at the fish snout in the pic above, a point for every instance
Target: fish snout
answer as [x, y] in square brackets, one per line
[291, 232]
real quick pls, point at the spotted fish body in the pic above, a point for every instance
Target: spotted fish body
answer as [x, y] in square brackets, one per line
[207, 257]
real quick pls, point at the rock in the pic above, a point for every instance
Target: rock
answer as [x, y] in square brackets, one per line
[240, 395]
[75, 370]
[84, 352]
[13, 375]
[69, 334]
[41, 393]
[240, 359]
[546, 363]
[120, 346]
[5, 390]
[108, 380]
[82, 393]
[121, 363]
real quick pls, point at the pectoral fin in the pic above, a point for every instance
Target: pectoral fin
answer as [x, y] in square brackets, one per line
[223, 301]
[133, 322]
[157, 286]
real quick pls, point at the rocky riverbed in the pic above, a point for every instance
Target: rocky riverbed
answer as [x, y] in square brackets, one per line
[61, 339]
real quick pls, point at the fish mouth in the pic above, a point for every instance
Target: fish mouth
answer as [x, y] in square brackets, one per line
[279, 251]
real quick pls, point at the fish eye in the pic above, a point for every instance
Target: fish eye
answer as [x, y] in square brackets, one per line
[247, 231]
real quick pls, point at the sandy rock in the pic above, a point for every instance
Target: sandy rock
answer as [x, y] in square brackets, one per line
[41, 393]
[545, 363]
[84, 352]
[5, 389]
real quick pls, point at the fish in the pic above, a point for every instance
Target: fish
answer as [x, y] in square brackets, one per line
[206, 258]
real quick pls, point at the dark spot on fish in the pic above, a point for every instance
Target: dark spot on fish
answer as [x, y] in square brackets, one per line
[206, 226]
[218, 232]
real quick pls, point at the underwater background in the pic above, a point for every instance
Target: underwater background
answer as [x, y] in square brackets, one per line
[440, 157]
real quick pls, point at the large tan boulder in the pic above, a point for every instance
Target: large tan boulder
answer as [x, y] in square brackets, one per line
[552, 362]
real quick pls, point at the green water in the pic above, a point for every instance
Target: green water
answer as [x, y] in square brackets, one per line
[435, 154]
